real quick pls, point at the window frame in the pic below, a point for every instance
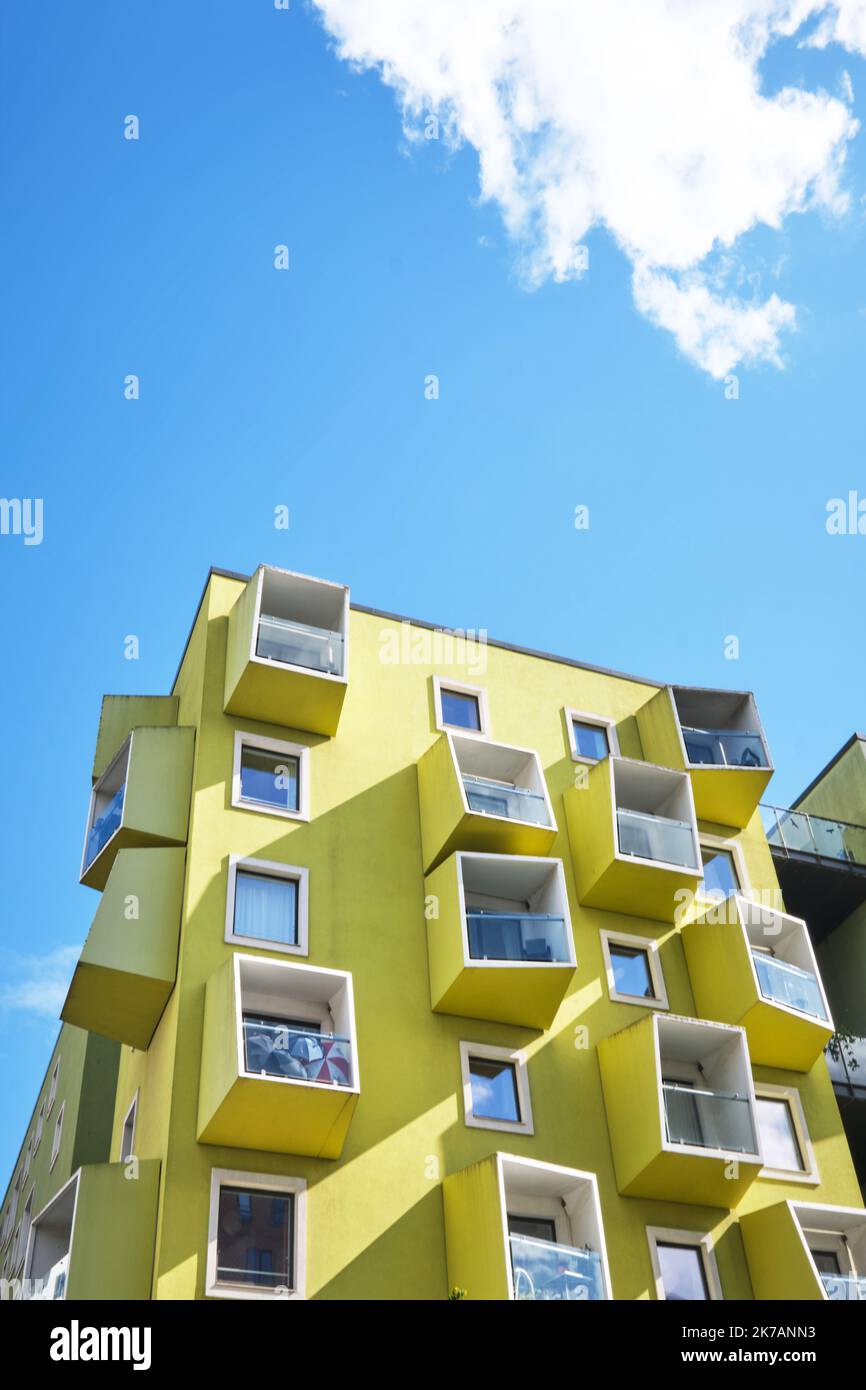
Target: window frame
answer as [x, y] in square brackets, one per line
[516, 1057]
[644, 943]
[40, 1125]
[600, 721]
[133, 1111]
[479, 692]
[301, 751]
[278, 1184]
[730, 845]
[57, 1137]
[268, 868]
[52, 1088]
[809, 1175]
[702, 1241]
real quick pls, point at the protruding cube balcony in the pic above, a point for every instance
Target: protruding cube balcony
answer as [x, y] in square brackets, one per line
[519, 1229]
[95, 1239]
[755, 966]
[681, 1110]
[634, 838]
[127, 968]
[279, 1066]
[801, 1251]
[141, 799]
[482, 796]
[715, 735]
[287, 652]
[499, 938]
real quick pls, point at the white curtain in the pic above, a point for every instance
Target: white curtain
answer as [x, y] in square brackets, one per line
[266, 908]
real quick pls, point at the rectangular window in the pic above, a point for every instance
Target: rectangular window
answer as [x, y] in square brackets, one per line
[631, 971]
[254, 1238]
[58, 1135]
[590, 740]
[778, 1135]
[266, 909]
[682, 1272]
[127, 1138]
[494, 1089]
[460, 711]
[52, 1088]
[271, 777]
[40, 1124]
[634, 972]
[532, 1227]
[720, 872]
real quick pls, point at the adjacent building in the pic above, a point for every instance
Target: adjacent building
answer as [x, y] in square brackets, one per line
[439, 968]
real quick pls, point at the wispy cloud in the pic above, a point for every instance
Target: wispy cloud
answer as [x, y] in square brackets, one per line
[37, 984]
[643, 117]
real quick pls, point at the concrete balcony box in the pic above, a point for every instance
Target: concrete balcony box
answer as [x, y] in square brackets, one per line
[95, 1238]
[477, 795]
[501, 946]
[681, 1110]
[140, 801]
[490, 1263]
[120, 714]
[633, 837]
[718, 738]
[279, 1064]
[778, 998]
[803, 1252]
[287, 659]
[128, 966]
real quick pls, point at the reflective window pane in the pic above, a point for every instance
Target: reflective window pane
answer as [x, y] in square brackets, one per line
[778, 1135]
[631, 971]
[460, 710]
[590, 740]
[720, 874]
[494, 1089]
[254, 1238]
[682, 1270]
[271, 779]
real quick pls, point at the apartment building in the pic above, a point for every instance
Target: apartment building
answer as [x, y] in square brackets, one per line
[441, 968]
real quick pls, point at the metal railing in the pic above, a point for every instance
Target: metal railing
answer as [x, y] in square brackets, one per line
[527, 936]
[546, 1272]
[296, 1054]
[725, 747]
[803, 833]
[709, 1119]
[300, 644]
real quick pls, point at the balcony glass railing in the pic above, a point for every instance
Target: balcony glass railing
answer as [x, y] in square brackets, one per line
[656, 837]
[531, 936]
[807, 834]
[788, 984]
[547, 1272]
[709, 1119]
[296, 1054]
[844, 1287]
[725, 747]
[491, 798]
[299, 644]
[104, 826]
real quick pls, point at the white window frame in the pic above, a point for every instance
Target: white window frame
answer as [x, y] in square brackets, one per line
[700, 1240]
[640, 943]
[441, 683]
[601, 722]
[300, 751]
[269, 869]
[28, 1154]
[40, 1125]
[733, 847]
[57, 1137]
[52, 1088]
[19, 1254]
[263, 1182]
[517, 1058]
[133, 1111]
[808, 1176]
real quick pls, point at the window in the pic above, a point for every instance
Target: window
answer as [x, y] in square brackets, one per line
[58, 1134]
[785, 1142]
[532, 1227]
[271, 776]
[256, 1237]
[590, 736]
[52, 1088]
[267, 905]
[495, 1088]
[23, 1230]
[127, 1136]
[724, 868]
[462, 707]
[684, 1265]
[40, 1125]
[634, 973]
[28, 1151]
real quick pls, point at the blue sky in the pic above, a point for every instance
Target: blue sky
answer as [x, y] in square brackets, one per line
[306, 388]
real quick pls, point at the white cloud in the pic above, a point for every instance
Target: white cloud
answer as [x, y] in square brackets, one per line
[642, 117]
[38, 984]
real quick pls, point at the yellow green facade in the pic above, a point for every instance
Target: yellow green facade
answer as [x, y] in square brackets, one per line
[403, 1199]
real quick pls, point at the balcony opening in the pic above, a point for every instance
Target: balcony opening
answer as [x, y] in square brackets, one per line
[655, 815]
[707, 1091]
[720, 729]
[836, 1239]
[555, 1238]
[51, 1243]
[106, 806]
[515, 909]
[302, 622]
[296, 1024]
[503, 782]
[782, 956]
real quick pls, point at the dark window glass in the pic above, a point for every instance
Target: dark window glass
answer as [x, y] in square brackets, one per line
[271, 779]
[590, 740]
[460, 710]
[494, 1089]
[534, 1227]
[254, 1238]
[826, 1261]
